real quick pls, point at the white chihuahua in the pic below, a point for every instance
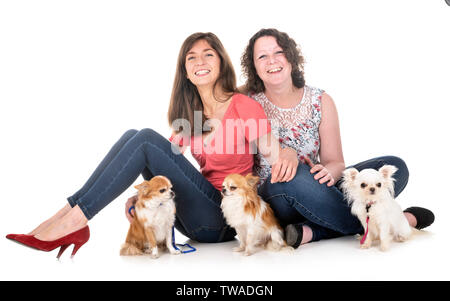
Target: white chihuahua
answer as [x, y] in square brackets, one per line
[371, 195]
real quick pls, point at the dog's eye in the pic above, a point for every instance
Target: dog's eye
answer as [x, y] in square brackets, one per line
[232, 188]
[378, 185]
[162, 190]
[363, 185]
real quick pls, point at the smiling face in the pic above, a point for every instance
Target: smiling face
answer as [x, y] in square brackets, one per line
[202, 64]
[270, 62]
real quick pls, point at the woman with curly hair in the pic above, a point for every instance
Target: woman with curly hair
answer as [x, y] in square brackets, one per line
[308, 201]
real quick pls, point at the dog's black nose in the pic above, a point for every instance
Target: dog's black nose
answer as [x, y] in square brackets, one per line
[172, 194]
[224, 190]
[372, 190]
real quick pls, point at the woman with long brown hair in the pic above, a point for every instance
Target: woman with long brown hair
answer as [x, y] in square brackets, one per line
[223, 128]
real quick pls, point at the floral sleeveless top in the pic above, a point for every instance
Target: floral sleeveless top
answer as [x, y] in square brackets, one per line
[296, 127]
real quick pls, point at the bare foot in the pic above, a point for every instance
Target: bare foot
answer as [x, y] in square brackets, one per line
[72, 221]
[411, 219]
[307, 235]
[48, 222]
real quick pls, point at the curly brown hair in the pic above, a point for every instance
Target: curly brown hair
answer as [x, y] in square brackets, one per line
[292, 52]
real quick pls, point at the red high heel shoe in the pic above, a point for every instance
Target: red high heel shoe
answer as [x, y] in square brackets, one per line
[78, 238]
[13, 236]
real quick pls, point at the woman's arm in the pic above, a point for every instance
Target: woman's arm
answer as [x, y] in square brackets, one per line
[330, 153]
[284, 161]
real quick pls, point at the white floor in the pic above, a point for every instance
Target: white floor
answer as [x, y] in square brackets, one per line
[70, 89]
[424, 257]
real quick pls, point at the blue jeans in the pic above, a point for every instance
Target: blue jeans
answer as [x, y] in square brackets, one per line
[304, 200]
[146, 153]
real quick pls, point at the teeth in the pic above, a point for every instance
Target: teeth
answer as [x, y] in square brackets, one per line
[201, 72]
[274, 70]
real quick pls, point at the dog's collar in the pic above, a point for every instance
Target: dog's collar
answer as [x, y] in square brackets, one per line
[367, 222]
[134, 208]
[369, 204]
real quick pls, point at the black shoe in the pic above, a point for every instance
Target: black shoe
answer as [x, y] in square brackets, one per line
[294, 235]
[423, 216]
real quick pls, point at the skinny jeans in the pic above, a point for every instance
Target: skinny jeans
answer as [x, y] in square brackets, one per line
[147, 153]
[198, 212]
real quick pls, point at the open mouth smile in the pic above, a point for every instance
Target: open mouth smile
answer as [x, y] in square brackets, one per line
[275, 70]
[202, 72]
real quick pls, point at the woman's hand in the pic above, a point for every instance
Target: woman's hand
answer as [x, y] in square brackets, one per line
[285, 168]
[130, 202]
[323, 175]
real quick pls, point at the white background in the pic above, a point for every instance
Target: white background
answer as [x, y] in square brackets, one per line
[74, 75]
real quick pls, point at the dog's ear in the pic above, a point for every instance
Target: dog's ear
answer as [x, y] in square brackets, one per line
[252, 180]
[143, 188]
[348, 177]
[350, 174]
[387, 171]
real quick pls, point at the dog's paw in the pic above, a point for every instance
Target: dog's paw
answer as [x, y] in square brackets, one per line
[154, 254]
[288, 249]
[249, 252]
[238, 249]
[384, 247]
[365, 245]
[175, 252]
[401, 238]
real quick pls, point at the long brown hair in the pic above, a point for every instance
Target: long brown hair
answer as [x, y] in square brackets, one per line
[185, 99]
[292, 52]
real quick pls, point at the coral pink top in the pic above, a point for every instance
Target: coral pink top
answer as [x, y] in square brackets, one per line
[230, 148]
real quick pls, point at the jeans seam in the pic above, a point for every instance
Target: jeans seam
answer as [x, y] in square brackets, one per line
[85, 211]
[276, 195]
[72, 203]
[222, 231]
[293, 203]
[312, 216]
[114, 179]
[208, 228]
[401, 188]
[82, 207]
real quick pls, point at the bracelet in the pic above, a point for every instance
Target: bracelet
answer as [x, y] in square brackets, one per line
[129, 210]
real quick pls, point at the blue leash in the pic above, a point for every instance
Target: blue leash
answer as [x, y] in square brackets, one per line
[192, 249]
